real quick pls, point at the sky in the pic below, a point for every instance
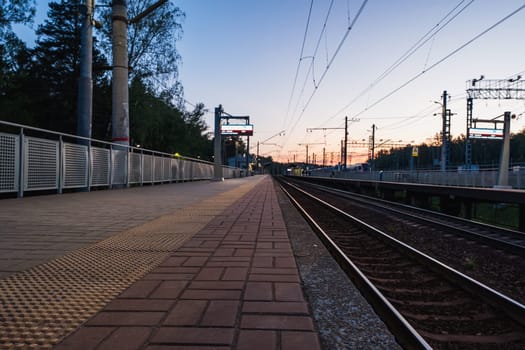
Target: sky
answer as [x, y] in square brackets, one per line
[246, 56]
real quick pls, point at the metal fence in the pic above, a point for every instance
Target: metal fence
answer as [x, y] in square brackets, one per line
[478, 178]
[58, 161]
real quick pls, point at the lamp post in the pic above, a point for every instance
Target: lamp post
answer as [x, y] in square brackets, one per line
[280, 133]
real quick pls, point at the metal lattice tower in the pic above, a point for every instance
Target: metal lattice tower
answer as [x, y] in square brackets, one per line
[490, 89]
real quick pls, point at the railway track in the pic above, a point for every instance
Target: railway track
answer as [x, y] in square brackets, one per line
[486, 253]
[510, 240]
[426, 303]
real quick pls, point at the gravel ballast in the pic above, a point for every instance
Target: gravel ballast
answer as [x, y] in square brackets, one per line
[344, 318]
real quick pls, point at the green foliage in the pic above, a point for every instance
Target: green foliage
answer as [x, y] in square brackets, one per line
[14, 11]
[39, 87]
[485, 153]
[152, 53]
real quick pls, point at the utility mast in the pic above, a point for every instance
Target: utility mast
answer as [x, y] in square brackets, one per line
[445, 133]
[85, 83]
[120, 99]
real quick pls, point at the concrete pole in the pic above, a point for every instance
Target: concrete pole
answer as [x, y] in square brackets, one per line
[503, 173]
[257, 158]
[306, 160]
[248, 156]
[444, 141]
[217, 151]
[372, 166]
[85, 81]
[345, 149]
[120, 101]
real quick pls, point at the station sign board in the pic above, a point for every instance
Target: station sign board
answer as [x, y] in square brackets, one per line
[237, 129]
[483, 133]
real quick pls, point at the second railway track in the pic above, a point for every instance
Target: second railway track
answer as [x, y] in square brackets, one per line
[446, 309]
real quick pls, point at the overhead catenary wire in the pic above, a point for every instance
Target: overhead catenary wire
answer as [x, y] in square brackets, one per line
[311, 66]
[442, 59]
[327, 68]
[301, 57]
[430, 34]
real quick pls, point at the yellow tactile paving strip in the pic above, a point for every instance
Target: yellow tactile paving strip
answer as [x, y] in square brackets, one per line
[40, 306]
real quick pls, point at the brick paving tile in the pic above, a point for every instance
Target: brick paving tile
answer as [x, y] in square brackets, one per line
[85, 338]
[230, 258]
[233, 286]
[192, 335]
[235, 238]
[265, 261]
[176, 270]
[196, 261]
[174, 261]
[211, 244]
[273, 278]
[196, 251]
[139, 305]
[258, 291]
[211, 294]
[299, 340]
[243, 252]
[264, 245]
[140, 289]
[186, 313]
[169, 289]
[128, 338]
[228, 264]
[257, 340]
[169, 276]
[189, 254]
[224, 252]
[227, 285]
[192, 243]
[288, 262]
[221, 313]
[275, 307]
[183, 347]
[210, 273]
[235, 274]
[274, 271]
[126, 318]
[288, 292]
[283, 322]
[238, 244]
[273, 253]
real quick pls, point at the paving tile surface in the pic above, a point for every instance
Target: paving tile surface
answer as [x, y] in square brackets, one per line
[233, 285]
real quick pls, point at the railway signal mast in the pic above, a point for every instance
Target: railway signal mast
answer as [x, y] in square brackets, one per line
[492, 89]
[344, 151]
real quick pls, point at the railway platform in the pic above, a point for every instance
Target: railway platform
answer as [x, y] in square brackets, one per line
[198, 265]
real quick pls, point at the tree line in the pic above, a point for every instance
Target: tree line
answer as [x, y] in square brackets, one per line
[485, 154]
[39, 85]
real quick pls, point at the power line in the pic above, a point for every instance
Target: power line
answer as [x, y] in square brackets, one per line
[430, 34]
[311, 66]
[442, 59]
[345, 36]
[299, 62]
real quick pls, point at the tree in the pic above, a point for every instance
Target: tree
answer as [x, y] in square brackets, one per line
[14, 11]
[152, 52]
[13, 52]
[56, 67]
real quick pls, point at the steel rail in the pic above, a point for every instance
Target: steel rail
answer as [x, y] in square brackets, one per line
[405, 334]
[487, 238]
[511, 307]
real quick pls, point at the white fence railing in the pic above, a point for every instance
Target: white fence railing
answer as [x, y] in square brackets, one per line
[57, 161]
[478, 178]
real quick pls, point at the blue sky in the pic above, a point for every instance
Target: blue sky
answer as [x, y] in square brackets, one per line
[244, 55]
